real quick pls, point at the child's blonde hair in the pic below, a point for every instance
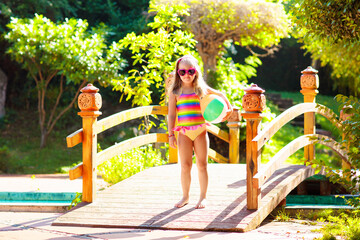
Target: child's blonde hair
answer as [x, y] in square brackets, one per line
[199, 83]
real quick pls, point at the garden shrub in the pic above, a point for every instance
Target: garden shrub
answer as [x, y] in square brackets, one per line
[129, 163]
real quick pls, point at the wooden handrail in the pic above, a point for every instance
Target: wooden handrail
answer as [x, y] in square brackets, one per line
[76, 172]
[265, 172]
[116, 119]
[131, 143]
[288, 115]
[218, 132]
[75, 138]
[217, 156]
[128, 115]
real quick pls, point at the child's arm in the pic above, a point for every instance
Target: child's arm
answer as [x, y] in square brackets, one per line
[172, 119]
[214, 91]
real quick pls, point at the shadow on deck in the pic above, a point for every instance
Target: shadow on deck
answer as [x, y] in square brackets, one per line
[146, 200]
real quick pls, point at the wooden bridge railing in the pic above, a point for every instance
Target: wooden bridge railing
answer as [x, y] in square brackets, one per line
[90, 103]
[253, 104]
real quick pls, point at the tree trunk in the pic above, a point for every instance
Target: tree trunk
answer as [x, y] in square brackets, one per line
[3, 85]
[44, 136]
[209, 61]
[316, 64]
[208, 53]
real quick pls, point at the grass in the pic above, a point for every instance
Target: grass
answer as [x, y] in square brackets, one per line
[20, 137]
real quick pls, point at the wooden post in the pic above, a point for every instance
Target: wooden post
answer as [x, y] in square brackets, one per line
[173, 152]
[253, 103]
[344, 116]
[234, 133]
[309, 82]
[89, 102]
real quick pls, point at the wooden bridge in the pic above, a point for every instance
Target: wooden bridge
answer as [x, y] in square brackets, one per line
[240, 196]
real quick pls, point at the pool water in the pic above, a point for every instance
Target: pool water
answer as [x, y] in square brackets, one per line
[318, 201]
[62, 198]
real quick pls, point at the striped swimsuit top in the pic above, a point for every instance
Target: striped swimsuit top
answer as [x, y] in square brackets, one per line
[189, 111]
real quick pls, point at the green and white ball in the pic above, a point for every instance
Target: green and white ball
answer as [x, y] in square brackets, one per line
[213, 108]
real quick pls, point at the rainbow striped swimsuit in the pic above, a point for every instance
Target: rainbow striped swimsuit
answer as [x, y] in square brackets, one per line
[189, 111]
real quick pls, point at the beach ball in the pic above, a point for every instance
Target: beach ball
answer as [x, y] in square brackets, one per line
[213, 108]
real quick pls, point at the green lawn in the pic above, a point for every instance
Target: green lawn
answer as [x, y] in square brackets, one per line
[20, 141]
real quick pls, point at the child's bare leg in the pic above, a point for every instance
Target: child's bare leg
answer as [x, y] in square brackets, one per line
[185, 146]
[201, 146]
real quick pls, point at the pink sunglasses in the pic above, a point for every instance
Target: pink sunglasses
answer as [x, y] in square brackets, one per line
[190, 71]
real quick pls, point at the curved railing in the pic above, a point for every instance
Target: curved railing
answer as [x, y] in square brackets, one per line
[91, 127]
[291, 113]
[265, 172]
[255, 139]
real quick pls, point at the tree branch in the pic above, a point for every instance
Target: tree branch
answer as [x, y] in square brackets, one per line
[67, 108]
[57, 100]
[269, 51]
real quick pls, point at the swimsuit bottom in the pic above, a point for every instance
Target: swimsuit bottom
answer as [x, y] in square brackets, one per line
[191, 132]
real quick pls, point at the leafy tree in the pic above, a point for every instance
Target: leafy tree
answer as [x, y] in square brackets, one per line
[154, 54]
[54, 9]
[250, 24]
[330, 31]
[65, 54]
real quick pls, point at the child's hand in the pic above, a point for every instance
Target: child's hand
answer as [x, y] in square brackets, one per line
[172, 141]
[228, 113]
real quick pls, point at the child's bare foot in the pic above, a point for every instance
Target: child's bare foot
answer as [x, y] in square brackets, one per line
[182, 202]
[201, 204]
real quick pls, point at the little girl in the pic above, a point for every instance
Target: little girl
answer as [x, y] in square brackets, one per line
[184, 98]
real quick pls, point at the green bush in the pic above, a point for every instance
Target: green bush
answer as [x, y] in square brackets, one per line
[129, 163]
[347, 226]
[328, 236]
[4, 158]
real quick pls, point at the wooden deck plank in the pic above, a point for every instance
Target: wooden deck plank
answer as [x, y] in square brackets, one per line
[146, 200]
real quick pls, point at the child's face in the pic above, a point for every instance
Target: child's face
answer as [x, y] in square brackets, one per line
[189, 69]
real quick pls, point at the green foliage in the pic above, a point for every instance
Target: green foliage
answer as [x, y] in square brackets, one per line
[75, 201]
[282, 215]
[345, 225]
[129, 163]
[327, 236]
[330, 30]
[349, 178]
[46, 49]
[61, 52]
[329, 19]
[4, 156]
[154, 54]
[53, 9]
[232, 77]
[122, 17]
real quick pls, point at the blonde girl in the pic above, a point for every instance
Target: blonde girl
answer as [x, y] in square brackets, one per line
[184, 99]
